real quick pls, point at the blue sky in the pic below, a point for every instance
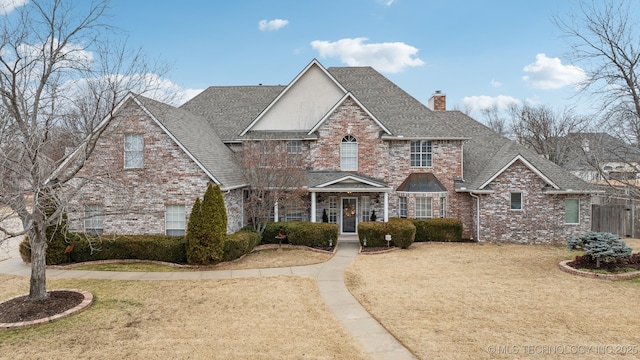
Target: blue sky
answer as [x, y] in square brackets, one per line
[476, 52]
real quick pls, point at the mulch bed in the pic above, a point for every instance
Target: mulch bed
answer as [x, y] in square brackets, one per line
[24, 309]
[585, 262]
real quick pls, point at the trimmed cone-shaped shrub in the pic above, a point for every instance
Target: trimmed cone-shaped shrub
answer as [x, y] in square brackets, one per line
[196, 245]
[207, 228]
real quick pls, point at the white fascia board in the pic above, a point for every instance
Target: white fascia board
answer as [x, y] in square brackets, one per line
[283, 92]
[175, 140]
[528, 165]
[352, 190]
[349, 178]
[338, 104]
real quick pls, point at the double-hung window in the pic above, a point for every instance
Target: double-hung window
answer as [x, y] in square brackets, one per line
[175, 220]
[349, 154]
[294, 153]
[133, 151]
[443, 207]
[402, 207]
[421, 153]
[424, 208]
[93, 219]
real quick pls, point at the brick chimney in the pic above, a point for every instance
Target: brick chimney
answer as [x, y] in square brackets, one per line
[438, 101]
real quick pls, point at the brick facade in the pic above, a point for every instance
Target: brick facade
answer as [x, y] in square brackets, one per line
[134, 200]
[541, 218]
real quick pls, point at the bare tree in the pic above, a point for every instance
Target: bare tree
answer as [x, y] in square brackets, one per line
[58, 74]
[605, 41]
[545, 131]
[276, 175]
[495, 120]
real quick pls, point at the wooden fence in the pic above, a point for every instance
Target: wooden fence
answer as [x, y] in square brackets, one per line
[618, 219]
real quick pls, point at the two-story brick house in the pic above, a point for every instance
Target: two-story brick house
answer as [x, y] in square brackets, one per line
[366, 146]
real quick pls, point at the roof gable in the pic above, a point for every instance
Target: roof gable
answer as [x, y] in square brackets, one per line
[195, 136]
[527, 164]
[338, 104]
[299, 106]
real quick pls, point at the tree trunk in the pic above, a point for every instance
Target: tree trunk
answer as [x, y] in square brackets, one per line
[38, 283]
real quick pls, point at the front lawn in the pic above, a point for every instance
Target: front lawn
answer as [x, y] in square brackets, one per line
[465, 301]
[254, 318]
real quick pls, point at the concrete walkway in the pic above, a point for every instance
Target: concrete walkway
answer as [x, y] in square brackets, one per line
[373, 338]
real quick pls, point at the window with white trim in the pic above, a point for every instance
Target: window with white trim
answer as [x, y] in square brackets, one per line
[365, 210]
[93, 219]
[421, 153]
[133, 151]
[294, 153]
[443, 207]
[516, 201]
[402, 207]
[293, 214]
[333, 209]
[349, 154]
[175, 220]
[423, 208]
[572, 211]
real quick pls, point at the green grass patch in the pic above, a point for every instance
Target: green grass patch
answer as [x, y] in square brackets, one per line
[130, 267]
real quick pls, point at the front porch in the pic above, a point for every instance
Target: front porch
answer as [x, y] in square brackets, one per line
[347, 199]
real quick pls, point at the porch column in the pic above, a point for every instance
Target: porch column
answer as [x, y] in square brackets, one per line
[275, 212]
[313, 207]
[386, 207]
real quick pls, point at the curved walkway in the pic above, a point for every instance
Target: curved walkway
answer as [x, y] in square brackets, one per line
[373, 338]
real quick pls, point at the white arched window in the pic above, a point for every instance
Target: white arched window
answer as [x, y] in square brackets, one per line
[349, 154]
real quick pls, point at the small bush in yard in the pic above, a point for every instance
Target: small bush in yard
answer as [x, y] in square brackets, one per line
[439, 229]
[301, 233]
[240, 243]
[402, 233]
[601, 247]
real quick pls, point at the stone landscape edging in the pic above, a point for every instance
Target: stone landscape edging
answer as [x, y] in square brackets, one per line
[85, 303]
[623, 276]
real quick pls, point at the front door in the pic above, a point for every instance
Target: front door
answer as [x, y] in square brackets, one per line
[349, 215]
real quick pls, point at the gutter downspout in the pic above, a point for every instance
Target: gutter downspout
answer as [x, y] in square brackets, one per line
[477, 215]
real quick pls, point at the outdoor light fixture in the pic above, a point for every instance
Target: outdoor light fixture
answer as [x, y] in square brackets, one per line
[330, 242]
[364, 241]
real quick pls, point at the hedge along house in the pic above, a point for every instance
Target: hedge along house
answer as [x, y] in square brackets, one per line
[365, 145]
[369, 146]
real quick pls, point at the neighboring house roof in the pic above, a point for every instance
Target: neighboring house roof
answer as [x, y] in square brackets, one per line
[588, 150]
[198, 139]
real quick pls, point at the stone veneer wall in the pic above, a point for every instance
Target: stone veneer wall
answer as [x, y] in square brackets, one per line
[541, 218]
[134, 199]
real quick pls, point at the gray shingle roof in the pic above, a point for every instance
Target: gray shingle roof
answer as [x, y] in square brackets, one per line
[401, 113]
[230, 109]
[199, 138]
[319, 177]
[487, 152]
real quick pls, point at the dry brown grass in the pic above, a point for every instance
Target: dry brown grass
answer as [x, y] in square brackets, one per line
[453, 301]
[254, 318]
[276, 258]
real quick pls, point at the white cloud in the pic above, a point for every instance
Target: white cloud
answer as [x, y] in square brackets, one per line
[549, 73]
[272, 25]
[389, 2]
[7, 6]
[486, 102]
[385, 57]
[495, 83]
